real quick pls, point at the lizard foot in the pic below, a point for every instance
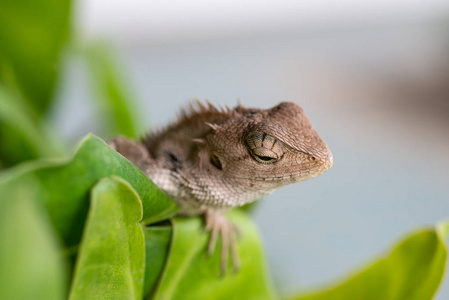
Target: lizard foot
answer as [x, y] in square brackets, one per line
[218, 224]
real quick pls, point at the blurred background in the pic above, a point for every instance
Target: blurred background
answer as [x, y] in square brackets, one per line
[373, 77]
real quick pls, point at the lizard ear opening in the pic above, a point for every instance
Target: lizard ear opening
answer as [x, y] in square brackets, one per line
[216, 162]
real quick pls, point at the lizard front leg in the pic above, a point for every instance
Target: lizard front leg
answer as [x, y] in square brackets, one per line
[219, 225]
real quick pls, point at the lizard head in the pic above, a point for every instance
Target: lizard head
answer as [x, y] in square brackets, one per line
[265, 149]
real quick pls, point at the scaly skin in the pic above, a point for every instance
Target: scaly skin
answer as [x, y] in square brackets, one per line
[212, 160]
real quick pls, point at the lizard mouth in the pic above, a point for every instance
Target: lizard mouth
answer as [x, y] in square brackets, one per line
[307, 172]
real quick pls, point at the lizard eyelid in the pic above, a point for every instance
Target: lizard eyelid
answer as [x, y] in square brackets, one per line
[264, 155]
[263, 147]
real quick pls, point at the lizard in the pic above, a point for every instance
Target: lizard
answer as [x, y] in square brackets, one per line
[214, 159]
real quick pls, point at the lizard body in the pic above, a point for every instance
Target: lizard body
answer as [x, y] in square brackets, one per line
[213, 159]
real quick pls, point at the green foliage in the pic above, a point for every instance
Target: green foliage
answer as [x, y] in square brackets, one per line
[157, 246]
[189, 274]
[34, 39]
[118, 259]
[63, 186]
[412, 270]
[22, 134]
[115, 259]
[33, 34]
[112, 253]
[30, 259]
[113, 94]
[93, 226]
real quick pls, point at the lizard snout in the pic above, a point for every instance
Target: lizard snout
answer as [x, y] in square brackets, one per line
[329, 159]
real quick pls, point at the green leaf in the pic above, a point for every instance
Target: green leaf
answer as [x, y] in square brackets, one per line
[113, 92]
[31, 265]
[111, 259]
[190, 274]
[412, 270]
[63, 186]
[23, 136]
[157, 244]
[33, 34]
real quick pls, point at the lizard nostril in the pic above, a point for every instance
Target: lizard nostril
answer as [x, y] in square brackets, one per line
[313, 158]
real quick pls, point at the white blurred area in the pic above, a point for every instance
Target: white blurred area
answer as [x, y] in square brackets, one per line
[373, 77]
[177, 21]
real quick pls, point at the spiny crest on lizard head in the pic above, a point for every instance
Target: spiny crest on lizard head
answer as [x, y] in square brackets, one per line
[277, 144]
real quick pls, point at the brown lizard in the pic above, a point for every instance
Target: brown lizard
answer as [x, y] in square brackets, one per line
[212, 160]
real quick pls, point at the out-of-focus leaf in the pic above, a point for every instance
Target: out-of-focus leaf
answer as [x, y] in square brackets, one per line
[157, 244]
[22, 135]
[32, 34]
[190, 274]
[30, 263]
[412, 270]
[64, 186]
[111, 259]
[110, 86]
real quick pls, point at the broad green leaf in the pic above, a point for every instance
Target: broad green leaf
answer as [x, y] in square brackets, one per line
[110, 87]
[157, 244]
[63, 186]
[31, 266]
[412, 270]
[190, 274]
[23, 136]
[110, 263]
[32, 36]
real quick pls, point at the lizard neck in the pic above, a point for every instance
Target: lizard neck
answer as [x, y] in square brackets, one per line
[195, 190]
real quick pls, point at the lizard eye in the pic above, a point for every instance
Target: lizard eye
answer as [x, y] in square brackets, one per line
[261, 146]
[264, 158]
[264, 155]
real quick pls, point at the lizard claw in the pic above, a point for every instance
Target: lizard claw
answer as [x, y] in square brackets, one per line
[219, 225]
